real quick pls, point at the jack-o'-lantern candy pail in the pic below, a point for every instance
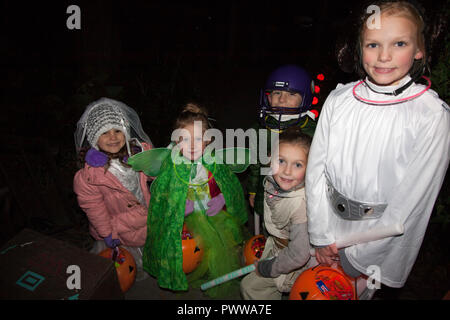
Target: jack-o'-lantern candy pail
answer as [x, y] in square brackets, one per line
[254, 248]
[323, 283]
[192, 252]
[125, 266]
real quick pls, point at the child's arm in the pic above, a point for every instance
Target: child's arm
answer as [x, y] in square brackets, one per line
[294, 256]
[92, 203]
[367, 235]
[321, 233]
[132, 220]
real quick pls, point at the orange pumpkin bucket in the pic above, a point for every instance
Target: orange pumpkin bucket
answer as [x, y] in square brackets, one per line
[254, 248]
[125, 266]
[323, 283]
[192, 252]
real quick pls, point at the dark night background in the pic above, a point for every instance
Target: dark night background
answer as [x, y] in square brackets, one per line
[155, 56]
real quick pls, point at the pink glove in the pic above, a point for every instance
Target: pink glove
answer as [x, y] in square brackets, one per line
[215, 205]
[189, 208]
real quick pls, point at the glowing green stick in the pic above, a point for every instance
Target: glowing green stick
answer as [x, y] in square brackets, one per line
[227, 277]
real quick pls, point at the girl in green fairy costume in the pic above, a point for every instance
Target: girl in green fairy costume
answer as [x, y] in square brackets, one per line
[195, 189]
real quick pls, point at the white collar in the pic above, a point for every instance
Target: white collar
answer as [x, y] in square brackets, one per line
[384, 95]
[387, 89]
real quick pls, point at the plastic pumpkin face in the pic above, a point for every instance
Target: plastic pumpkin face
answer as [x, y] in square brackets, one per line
[254, 249]
[192, 252]
[125, 266]
[323, 283]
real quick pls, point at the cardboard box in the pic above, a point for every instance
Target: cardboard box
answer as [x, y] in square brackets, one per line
[35, 266]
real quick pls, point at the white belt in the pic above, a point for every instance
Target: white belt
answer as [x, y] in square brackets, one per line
[350, 209]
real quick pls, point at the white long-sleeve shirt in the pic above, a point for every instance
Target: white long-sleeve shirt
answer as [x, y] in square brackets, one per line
[392, 154]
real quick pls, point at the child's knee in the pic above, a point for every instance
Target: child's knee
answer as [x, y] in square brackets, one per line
[246, 287]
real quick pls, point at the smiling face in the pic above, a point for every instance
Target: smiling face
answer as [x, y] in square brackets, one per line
[111, 141]
[191, 142]
[389, 52]
[289, 166]
[284, 99]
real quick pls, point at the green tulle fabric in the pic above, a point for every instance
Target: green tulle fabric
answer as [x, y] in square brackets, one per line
[221, 235]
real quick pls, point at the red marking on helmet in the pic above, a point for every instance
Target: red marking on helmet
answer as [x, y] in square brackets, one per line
[316, 89]
[315, 100]
[320, 76]
[316, 113]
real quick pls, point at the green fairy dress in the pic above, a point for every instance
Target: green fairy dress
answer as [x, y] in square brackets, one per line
[219, 235]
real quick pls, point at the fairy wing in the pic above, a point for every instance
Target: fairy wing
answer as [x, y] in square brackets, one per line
[149, 161]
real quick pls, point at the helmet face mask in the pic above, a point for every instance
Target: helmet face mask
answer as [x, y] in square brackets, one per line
[292, 79]
[282, 115]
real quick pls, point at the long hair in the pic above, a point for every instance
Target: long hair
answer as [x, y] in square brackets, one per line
[398, 8]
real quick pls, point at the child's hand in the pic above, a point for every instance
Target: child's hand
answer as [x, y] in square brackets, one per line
[251, 200]
[215, 205]
[327, 255]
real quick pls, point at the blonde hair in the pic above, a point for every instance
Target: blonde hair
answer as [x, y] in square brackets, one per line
[403, 9]
[295, 136]
[192, 112]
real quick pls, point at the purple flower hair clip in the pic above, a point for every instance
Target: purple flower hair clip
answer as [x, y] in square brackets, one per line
[96, 158]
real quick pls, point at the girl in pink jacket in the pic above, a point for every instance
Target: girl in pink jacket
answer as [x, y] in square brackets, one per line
[114, 197]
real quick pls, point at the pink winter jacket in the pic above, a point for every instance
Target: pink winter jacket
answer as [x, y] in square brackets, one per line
[110, 207]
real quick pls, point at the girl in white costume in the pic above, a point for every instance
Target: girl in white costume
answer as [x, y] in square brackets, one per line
[380, 152]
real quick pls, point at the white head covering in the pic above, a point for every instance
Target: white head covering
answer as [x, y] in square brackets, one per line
[103, 115]
[102, 119]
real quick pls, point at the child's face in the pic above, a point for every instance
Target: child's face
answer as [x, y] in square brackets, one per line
[191, 142]
[389, 52]
[111, 141]
[289, 166]
[284, 99]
